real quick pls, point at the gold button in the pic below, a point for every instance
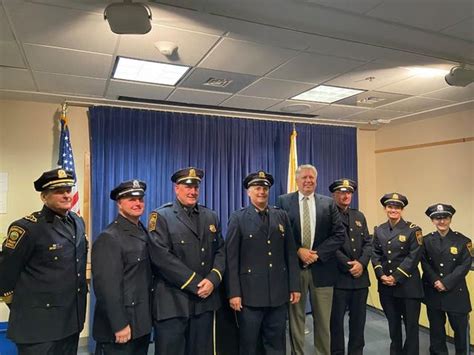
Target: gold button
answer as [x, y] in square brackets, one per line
[202, 249]
[354, 249]
[401, 248]
[269, 253]
[78, 290]
[133, 303]
[269, 242]
[73, 237]
[390, 252]
[202, 263]
[390, 261]
[441, 264]
[182, 242]
[270, 265]
[441, 274]
[389, 242]
[78, 274]
[48, 305]
[250, 236]
[390, 271]
[56, 258]
[352, 239]
[138, 259]
[77, 260]
[249, 270]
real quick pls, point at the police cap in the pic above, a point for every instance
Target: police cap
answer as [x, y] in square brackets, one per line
[260, 178]
[440, 210]
[130, 188]
[394, 199]
[54, 179]
[188, 176]
[343, 185]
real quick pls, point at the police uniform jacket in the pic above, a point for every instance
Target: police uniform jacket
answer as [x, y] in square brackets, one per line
[329, 235]
[397, 252]
[262, 265]
[122, 280]
[43, 267]
[182, 256]
[357, 246]
[447, 259]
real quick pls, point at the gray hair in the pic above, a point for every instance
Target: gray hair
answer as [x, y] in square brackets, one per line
[306, 166]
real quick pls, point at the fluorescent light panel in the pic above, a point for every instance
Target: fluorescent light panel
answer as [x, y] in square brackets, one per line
[325, 93]
[148, 72]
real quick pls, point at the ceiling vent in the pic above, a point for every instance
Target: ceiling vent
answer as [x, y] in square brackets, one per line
[218, 83]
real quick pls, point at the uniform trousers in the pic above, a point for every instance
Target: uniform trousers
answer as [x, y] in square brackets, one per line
[355, 300]
[397, 309]
[137, 346]
[321, 303]
[267, 322]
[65, 346]
[185, 335]
[459, 323]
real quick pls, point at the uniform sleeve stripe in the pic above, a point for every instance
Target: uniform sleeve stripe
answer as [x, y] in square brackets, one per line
[376, 266]
[403, 272]
[218, 273]
[189, 281]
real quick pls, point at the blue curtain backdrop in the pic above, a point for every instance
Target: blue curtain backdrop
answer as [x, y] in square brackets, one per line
[151, 145]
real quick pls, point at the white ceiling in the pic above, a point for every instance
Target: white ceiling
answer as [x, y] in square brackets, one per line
[272, 50]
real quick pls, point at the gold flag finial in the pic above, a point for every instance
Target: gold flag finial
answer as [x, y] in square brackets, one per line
[64, 108]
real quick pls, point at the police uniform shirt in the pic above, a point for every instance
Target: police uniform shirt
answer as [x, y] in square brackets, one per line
[397, 252]
[43, 270]
[122, 280]
[183, 254]
[447, 259]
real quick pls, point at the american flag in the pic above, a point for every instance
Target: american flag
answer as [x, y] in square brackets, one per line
[66, 159]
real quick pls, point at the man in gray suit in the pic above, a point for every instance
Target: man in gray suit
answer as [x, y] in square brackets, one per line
[318, 233]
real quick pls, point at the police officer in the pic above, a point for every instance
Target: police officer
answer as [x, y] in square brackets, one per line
[262, 269]
[351, 289]
[446, 261]
[43, 272]
[122, 277]
[397, 248]
[188, 254]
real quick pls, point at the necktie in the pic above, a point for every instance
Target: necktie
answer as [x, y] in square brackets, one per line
[306, 230]
[69, 224]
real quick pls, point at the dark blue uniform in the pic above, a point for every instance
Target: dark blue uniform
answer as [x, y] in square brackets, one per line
[185, 248]
[262, 269]
[447, 259]
[43, 269]
[122, 282]
[397, 252]
[351, 293]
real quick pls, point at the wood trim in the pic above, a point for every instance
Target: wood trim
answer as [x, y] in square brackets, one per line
[425, 145]
[86, 207]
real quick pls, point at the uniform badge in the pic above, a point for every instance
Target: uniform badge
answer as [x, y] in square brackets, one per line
[453, 250]
[136, 184]
[192, 172]
[419, 237]
[261, 174]
[470, 248]
[14, 236]
[212, 228]
[402, 238]
[152, 221]
[358, 223]
[282, 229]
[62, 174]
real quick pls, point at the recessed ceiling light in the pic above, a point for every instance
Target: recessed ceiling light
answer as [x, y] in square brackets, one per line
[427, 72]
[148, 72]
[218, 82]
[325, 93]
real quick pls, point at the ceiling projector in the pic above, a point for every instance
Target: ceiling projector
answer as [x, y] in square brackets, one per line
[128, 18]
[459, 76]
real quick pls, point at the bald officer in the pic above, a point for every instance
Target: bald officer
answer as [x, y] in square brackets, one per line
[446, 261]
[351, 289]
[121, 274]
[262, 269]
[397, 249]
[43, 272]
[188, 256]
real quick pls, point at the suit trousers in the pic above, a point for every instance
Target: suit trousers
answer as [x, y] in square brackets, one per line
[267, 322]
[458, 322]
[397, 309]
[66, 346]
[354, 300]
[185, 336]
[321, 304]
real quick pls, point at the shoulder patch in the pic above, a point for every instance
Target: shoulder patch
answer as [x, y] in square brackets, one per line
[470, 248]
[412, 225]
[31, 218]
[15, 234]
[419, 237]
[152, 221]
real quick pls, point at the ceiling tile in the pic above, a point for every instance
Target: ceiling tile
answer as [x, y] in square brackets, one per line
[306, 107]
[372, 99]
[62, 27]
[416, 85]
[314, 68]
[360, 6]
[68, 61]
[376, 114]
[137, 90]
[338, 112]
[277, 89]
[245, 57]
[463, 29]
[69, 84]
[6, 33]
[415, 104]
[199, 76]
[197, 96]
[249, 103]
[16, 79]
[426, 14]
[453, 93]
[11, 55]
[192, 46]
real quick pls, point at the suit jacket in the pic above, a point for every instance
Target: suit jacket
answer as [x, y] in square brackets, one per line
[121, 274]
[397, 252]
[357, 246]
[329, 235]
[262, 265]
[43, 266]
[448, 261]
[182, 256]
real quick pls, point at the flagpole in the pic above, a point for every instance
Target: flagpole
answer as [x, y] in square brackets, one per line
[292, 162]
